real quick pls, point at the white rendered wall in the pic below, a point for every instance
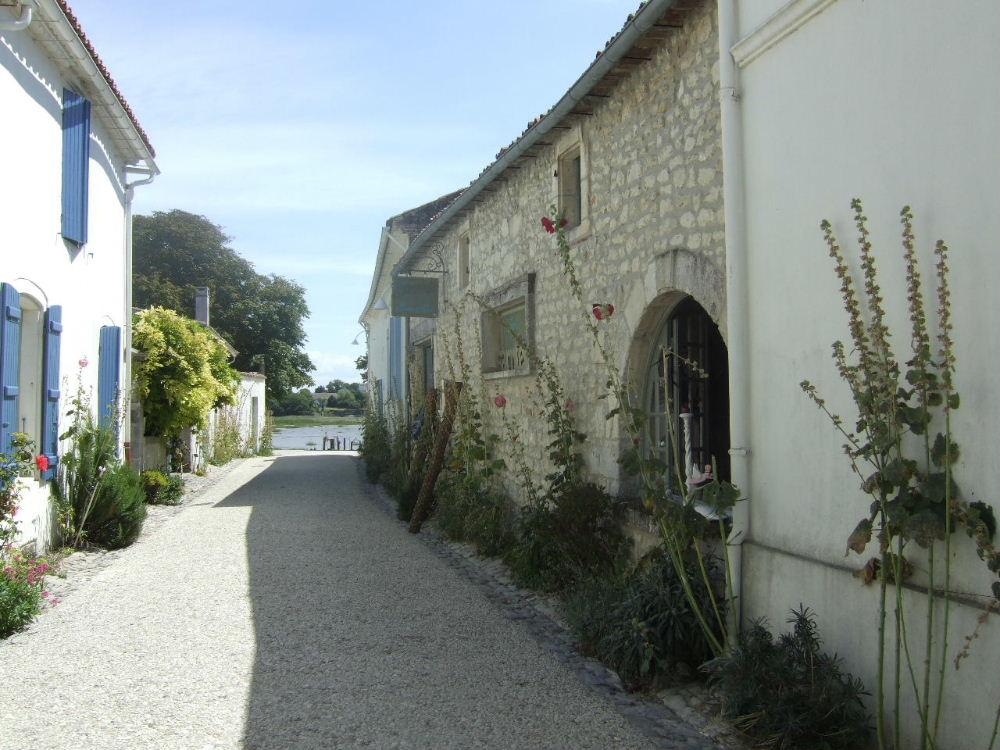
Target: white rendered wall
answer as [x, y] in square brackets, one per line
[89, 283]
[895, 108]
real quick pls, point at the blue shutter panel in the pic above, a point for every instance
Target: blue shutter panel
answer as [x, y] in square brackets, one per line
[395, 363]
[76, 166]
[50, 396]
[109, 376]
[10, 363]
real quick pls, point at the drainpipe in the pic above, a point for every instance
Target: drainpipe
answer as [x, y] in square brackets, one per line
[737, 293]
[27, 13]
[150, 172]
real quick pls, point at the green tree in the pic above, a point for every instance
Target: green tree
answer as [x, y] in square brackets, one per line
[182, 374]
[300, 403]
[261, 315]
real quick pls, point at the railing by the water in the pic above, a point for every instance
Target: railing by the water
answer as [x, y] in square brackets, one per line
[337, 443]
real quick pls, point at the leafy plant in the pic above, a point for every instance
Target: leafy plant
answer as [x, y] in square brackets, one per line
[907, 473]
[183, 374]
[21, 590]
[576, 533]
[13, 465]
[375, 442]
[227, 442]
[467, 511]
[638, 621]
[267, 436]
[100, 501]
[162, 489]
[789, 694]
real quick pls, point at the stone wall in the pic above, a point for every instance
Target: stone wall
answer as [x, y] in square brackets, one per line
[652, 232]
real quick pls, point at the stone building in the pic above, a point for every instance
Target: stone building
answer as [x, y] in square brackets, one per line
[631, 155]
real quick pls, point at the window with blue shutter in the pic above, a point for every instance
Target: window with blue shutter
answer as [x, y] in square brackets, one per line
[10, 363]
[76, 166]
[395, 359]
[109, 376]
[49, 438]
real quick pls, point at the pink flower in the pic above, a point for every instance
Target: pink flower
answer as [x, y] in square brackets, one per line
[602, 311]
[83, 362]
[500, 401]
[598, 312]
[45, 594]
[42, 462]
[550, 227]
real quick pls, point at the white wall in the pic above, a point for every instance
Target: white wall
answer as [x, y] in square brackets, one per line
[88, 283]
[895, 108]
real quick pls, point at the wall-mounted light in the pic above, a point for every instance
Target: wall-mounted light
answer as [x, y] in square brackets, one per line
[380, 304]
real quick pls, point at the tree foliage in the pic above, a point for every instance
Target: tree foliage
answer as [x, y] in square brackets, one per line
[182, 374]
[260, 315]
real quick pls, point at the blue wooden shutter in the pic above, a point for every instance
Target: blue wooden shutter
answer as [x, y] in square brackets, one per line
[109, 376]
[10, 363]
[76, 166]
[395, 359]
[50, 396]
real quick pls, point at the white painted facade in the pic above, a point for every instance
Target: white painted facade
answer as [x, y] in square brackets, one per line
[91, 282]
[844, 99]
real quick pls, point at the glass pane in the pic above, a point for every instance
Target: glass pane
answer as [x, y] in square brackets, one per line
[513, 338]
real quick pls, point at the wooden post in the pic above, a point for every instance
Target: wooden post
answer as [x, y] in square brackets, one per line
[422, 509]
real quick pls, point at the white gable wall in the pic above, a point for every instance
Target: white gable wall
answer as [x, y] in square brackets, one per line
[895, 108]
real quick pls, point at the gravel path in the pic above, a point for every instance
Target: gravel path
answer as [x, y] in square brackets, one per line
[283, 608]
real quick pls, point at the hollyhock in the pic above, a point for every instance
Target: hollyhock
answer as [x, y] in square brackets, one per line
[550, 227]
[500, 401]
[42, 462]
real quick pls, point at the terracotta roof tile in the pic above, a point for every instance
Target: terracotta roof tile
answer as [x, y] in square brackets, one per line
[75, 23]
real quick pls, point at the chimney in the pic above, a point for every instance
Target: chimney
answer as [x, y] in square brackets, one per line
[201, 304]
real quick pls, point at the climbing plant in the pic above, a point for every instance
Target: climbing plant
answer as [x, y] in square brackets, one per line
[183, 371]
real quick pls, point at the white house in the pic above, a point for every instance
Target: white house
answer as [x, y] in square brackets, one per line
[73, 156]
[836, 100]
[387, 334]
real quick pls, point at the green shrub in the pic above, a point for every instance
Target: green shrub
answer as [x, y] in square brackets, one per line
[21, 580]
[396, 474]
[267, 436]
[467, 511]
[639, 621]
[162, 489]
[119, 508]
[375, 444]
[790, 694]
[227, 443]
[576, 535]
[102, 502]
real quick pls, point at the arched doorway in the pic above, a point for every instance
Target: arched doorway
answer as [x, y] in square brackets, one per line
[672, 386]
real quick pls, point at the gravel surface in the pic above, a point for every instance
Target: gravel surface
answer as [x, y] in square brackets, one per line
[283, 608]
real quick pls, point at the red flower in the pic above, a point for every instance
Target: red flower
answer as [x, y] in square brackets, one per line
[603, 311]
[500, 401]
[549, 226]
[42, 462]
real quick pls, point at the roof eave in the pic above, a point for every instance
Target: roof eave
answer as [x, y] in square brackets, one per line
[641, 22]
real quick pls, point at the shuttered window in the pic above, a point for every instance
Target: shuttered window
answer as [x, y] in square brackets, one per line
[49, 439]
[76, 166]
[109, 376]
[10, 364]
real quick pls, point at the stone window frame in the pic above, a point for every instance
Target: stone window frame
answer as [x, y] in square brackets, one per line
[572, 141]
[519, 292]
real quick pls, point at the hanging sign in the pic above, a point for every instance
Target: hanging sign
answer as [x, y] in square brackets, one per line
[414, 297]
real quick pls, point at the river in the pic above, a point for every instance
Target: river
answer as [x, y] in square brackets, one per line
[311, 438]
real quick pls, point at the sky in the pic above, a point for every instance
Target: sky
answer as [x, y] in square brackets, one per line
[300, 128]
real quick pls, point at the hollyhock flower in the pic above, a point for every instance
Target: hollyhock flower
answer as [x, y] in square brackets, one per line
[42, 462]
[500, 401]
[603, 311]
[550, 227]
[598, 312]
[83, 362]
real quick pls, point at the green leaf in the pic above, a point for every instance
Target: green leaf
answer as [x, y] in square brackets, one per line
[924, 528]
[953, 401]
[942, 452]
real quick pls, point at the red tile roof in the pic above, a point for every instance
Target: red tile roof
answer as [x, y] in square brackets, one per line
[78, 29]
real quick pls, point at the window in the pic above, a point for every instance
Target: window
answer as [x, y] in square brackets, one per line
[507, 329]
[30, 370]
[464, 262]
[427, 364]
[691, 335]
[570, 177]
